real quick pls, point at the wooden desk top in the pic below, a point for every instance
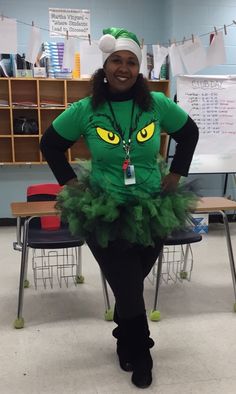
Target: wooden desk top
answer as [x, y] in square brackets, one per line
[47, 208]
[213, 204]
[38, 208]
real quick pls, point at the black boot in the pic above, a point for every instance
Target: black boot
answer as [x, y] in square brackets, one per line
[116, 331]
[123, 350]
[137, 335]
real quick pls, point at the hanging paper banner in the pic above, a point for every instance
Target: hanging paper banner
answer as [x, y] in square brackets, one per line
[75, 21]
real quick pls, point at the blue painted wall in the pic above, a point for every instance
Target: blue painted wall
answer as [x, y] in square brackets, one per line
[153, 20]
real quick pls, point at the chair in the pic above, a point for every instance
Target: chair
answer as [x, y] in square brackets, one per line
[46, 233]
[183, 237]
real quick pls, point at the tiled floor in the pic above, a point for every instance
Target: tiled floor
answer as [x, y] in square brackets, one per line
[66, 346]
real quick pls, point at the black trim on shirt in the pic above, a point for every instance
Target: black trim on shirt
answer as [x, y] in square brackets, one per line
[186, 138]
[53, 148]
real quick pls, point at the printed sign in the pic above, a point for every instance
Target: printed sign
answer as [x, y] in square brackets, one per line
[75, 21]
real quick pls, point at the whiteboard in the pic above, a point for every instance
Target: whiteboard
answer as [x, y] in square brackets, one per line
[210, 100]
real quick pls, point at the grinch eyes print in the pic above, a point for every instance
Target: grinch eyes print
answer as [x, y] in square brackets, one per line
[142, 136]
[108, 136]
[146, 133]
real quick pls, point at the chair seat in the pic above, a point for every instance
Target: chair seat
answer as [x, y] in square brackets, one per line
[182, 237]
[58, 239]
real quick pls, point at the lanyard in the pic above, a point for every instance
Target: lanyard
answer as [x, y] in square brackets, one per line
[126, 145]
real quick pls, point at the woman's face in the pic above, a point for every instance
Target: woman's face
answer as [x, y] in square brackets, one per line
[121, 69]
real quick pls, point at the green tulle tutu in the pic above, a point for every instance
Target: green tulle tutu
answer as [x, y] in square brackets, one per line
[142, 219]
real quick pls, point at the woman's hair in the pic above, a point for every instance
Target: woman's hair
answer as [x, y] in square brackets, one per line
[140, 90]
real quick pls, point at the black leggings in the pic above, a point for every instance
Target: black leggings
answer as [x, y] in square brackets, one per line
[125, 268]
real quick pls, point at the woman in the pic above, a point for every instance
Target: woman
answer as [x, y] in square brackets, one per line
[124, 206]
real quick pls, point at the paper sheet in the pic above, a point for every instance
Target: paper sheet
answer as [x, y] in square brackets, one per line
[143, 67]
[69, 53]
[216, 51]
[34, 45]
[175, 61]
[193, 55]
[8, 36]
[159, 55]
[90, 58]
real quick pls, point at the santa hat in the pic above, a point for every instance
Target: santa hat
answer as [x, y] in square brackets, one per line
[115, 39]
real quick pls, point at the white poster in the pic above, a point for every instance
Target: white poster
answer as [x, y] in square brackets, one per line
[75, 21]
[210, 100]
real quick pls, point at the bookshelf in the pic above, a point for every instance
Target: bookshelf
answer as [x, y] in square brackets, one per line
[43, 100]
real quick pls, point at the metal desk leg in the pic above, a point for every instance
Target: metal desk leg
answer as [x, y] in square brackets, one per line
[19, 322]
[155, 314]
[18, 244]
[183, 272]
[230, 253]
[79, 276]
[108, 312]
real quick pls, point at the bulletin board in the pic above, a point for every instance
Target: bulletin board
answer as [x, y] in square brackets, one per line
[210, 100]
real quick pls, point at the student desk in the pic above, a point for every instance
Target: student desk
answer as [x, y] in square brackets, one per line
[221, 205]
[29, 210]
[45, 208]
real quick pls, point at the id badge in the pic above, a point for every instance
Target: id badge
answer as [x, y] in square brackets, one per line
[129, 175]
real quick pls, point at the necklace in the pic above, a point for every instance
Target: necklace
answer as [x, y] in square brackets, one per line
[127, 167]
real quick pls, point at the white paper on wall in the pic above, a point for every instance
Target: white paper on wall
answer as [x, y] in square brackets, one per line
[216, 51]
[34, 45]
[90, 58]
[159, 55]
[143, 67]
[193, 55]
[8, 36]
[69, 53]
[176, 64]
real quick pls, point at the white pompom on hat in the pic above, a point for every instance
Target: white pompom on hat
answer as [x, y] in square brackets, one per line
[115, 39]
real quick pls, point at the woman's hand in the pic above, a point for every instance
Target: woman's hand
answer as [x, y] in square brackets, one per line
[170, 182]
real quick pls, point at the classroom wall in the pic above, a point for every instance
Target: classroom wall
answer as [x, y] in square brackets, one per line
[154, 21]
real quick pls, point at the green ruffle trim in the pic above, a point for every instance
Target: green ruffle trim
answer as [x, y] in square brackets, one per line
[140, 220]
